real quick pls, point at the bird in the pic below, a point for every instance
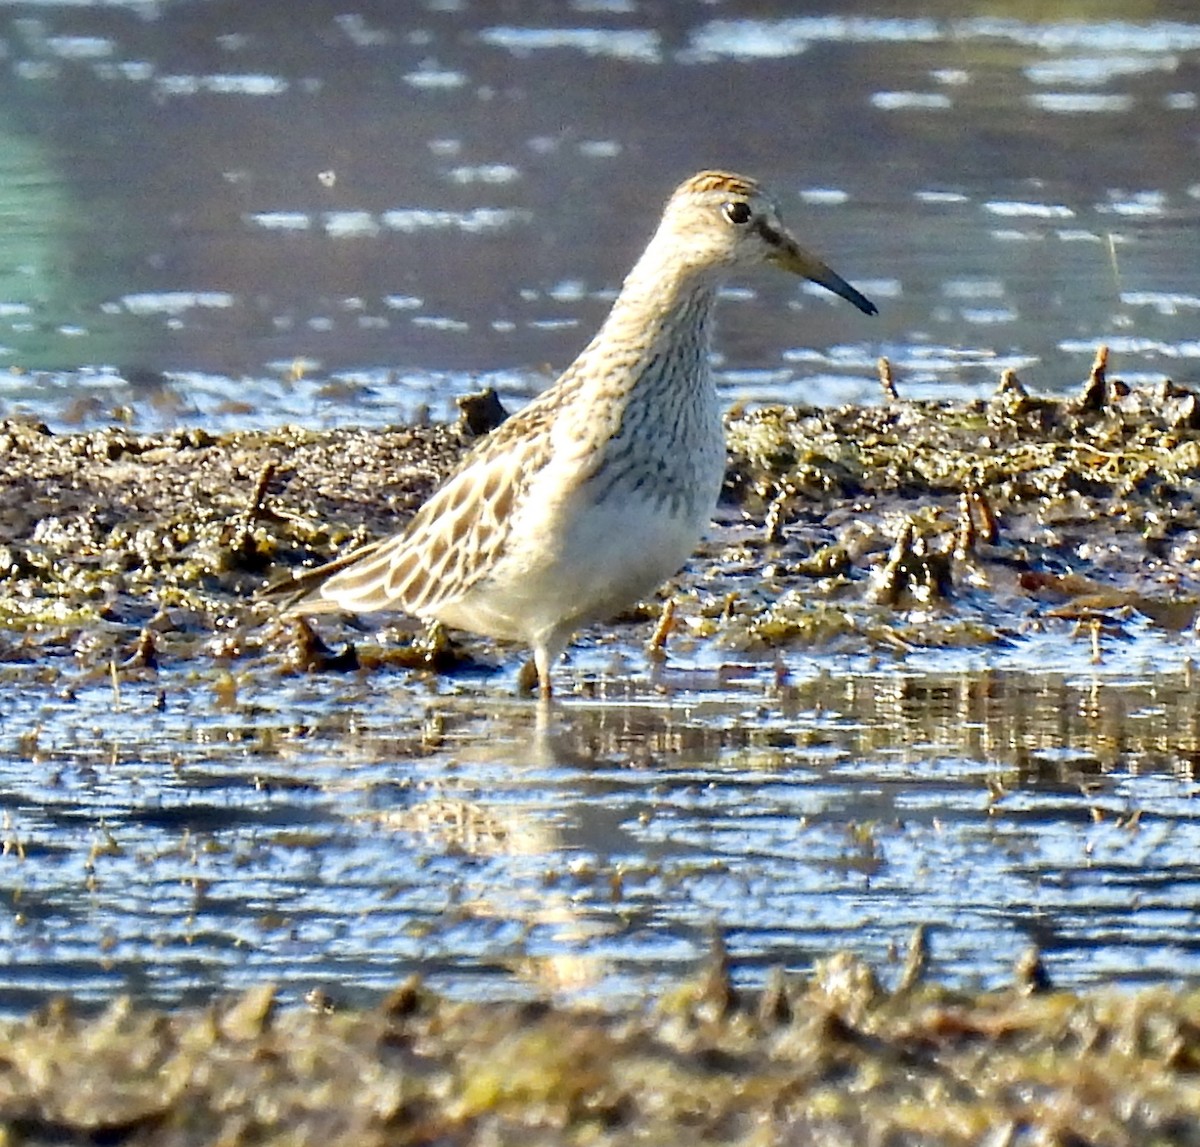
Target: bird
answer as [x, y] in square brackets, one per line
[598, 490]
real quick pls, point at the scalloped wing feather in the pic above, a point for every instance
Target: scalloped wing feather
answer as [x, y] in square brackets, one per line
[453, 541]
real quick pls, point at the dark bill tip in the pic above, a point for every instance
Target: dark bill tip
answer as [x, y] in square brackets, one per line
[834, 282]
[856, 297]
[792, 257]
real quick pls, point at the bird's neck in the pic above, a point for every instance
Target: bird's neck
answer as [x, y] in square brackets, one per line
[661, 321]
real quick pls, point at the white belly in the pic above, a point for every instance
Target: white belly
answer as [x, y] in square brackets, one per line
[618, 509]
[580, 561]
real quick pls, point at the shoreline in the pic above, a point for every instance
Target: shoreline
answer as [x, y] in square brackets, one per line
[1072, 510]
[832, 1058]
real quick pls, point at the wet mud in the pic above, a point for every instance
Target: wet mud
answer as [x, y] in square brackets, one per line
[834, 1059]
[876, 530]
[880, 530]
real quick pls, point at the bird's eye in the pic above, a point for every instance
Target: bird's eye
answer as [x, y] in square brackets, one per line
[737, 212]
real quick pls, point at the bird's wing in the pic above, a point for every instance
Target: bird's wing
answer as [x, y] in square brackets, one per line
[455, 538]
[452, 542]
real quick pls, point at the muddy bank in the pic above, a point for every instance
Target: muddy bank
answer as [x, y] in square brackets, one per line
[886, 528]
[835, 1059]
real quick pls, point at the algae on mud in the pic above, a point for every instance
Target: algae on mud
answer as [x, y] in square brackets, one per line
[881, 528]
[878, 529]
[835, 1059]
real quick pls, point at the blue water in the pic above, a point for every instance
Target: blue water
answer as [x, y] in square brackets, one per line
[341, 833]
[245, 214]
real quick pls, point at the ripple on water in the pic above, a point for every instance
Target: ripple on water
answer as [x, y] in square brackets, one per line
[338, 833]
[280, 228]
[623, 44]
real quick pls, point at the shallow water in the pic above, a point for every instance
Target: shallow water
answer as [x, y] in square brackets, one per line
[231, 213]
[339, 833]
[218, 216]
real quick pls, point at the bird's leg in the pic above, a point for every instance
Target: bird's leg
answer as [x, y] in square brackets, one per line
[543, 658]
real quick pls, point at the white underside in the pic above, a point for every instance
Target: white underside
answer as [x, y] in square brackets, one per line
[578, 562]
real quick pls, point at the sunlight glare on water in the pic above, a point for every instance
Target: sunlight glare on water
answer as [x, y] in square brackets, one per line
[304, 838]
[479, 174]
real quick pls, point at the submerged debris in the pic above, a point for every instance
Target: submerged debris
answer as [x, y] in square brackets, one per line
[912, 570]
[1030, 973]
[887, 381]
[305, 652]
[1095, 391]
[480, 413]
[656, 645]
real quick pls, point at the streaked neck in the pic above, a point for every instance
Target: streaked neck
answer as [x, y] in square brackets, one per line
[662, 315]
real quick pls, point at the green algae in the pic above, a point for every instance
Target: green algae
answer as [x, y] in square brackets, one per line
[877, 529]
[833, 1058]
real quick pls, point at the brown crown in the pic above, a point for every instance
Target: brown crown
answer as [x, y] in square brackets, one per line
[725, 182]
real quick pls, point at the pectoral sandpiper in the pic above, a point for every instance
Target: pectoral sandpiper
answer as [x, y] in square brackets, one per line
[598, 490]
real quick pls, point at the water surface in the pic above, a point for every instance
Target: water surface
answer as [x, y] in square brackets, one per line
[339, 833]
[243, 214]
[236, 213]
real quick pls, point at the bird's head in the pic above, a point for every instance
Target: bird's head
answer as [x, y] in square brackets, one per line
[724, 221]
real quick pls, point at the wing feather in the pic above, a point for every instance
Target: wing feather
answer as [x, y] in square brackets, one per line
[455, 539]
[452, 542]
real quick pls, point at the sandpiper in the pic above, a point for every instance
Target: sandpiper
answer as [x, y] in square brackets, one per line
[600, 489]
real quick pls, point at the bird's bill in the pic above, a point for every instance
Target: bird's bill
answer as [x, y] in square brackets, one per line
[792, 257]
